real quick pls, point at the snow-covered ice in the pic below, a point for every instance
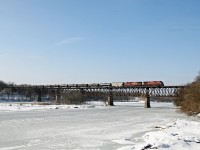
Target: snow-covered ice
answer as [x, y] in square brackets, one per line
[36, 106]
[93, 126]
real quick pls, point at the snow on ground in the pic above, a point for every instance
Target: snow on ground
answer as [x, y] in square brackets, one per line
[28, 106]
[93, 126]
[180, 134]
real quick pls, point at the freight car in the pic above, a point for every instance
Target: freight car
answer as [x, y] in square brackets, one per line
[72, 85]
[105, 84]
[118, 84]
[93, 85]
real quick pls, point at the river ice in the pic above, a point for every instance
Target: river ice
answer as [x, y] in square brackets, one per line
[125, 126]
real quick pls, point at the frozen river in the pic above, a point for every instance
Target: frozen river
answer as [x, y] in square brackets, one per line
[89, 128]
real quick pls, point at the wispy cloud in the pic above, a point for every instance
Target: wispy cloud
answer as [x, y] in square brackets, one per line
[69, 41]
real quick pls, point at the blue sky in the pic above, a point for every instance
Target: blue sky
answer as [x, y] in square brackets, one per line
[87, 41]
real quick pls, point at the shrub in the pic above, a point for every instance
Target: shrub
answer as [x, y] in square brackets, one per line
[188, 98]
[72, 97]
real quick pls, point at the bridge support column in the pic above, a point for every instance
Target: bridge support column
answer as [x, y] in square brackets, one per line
[39, 98]
[58, 99]
[58, 96]
[109, 101]
[147, 102]
[147, 99]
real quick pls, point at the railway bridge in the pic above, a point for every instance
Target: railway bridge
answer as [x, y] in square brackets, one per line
[107, 90]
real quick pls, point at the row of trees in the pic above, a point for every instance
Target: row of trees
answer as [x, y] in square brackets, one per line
[2, 85]
[188, 99]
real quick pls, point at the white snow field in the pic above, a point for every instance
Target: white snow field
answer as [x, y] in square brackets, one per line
[125, 126]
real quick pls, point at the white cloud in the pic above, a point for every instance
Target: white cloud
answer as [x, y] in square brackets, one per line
[69, 41]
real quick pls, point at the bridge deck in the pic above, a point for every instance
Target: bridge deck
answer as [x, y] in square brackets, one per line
[89, 87]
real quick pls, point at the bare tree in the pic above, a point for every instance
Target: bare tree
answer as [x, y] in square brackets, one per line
[72, 97]
[188, 99]
[197, 79]
[3, 85]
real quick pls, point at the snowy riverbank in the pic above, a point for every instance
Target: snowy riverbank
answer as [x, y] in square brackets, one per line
[181, 134]
[125, 126]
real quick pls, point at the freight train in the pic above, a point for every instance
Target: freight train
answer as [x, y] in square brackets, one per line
[120, 84]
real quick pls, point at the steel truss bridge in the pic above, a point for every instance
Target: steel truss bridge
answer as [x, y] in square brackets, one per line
[102, 90]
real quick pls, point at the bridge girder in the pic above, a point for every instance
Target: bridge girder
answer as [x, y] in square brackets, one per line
[166, 91]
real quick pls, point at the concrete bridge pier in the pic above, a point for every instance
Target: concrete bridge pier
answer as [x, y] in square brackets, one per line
[109, 101]
[58, 96]
[147, 99]
[147, 102]
[39, 98]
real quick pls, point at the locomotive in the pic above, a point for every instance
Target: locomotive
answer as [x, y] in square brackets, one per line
[153, 83]
[146, 83]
